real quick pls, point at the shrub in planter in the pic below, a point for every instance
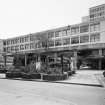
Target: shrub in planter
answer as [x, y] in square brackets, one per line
[55, 77]
[14, 72]
[3, 70]
[35, 76]
[31, 75]
[54, 71]
[25, 75]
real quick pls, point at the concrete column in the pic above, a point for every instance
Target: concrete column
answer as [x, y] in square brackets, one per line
[25, 59]
[100, 64]
[62, 62]
[55, 57]
[39, 58]
[75, 60]
[5, 60]
[100, 60]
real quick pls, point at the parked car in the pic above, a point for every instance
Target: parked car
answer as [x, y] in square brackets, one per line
[84, 67]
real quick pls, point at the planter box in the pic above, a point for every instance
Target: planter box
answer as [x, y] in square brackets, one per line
[13, 74]
[55, 77]
[31, 76]
[3, 71]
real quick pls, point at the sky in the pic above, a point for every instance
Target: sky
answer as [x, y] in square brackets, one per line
[22, 17]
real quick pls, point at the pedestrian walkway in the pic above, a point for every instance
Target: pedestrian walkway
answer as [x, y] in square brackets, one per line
[84, 77]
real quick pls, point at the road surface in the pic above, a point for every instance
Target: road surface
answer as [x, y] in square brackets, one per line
[17, 92]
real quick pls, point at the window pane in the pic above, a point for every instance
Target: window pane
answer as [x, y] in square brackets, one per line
[8, 49]
[32, 37]
[66, 41]
[58, 42]
[26, 39]
[95, 37]
[68, 32]
[74, 30]
[95, 27]
[51, 43]
[27, 46]
[21, 47]
[13, 48]
[38, 45]
[57, 34]
[4, 42]
[84, 39]
[74, 40]
[50, 34]
[64, 33]
[17, 48]
[84, 28]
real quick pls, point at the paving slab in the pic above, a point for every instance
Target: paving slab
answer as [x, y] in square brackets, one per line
[86, 77]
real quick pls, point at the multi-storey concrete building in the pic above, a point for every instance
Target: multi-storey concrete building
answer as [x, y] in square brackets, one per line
[97, 13]
[1, 51]
[84, 41]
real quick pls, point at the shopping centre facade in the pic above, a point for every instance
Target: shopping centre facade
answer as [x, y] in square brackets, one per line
[84, 43]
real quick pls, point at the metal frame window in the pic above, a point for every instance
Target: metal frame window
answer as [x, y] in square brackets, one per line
[66, 41]
[74, 30]
[84, 39]
[22, 47]
[57, 34]
[58, 42]
[84, 28]
[95, 27]
[95, 37]
[75, 40]
[51, 43]
[50, 34]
